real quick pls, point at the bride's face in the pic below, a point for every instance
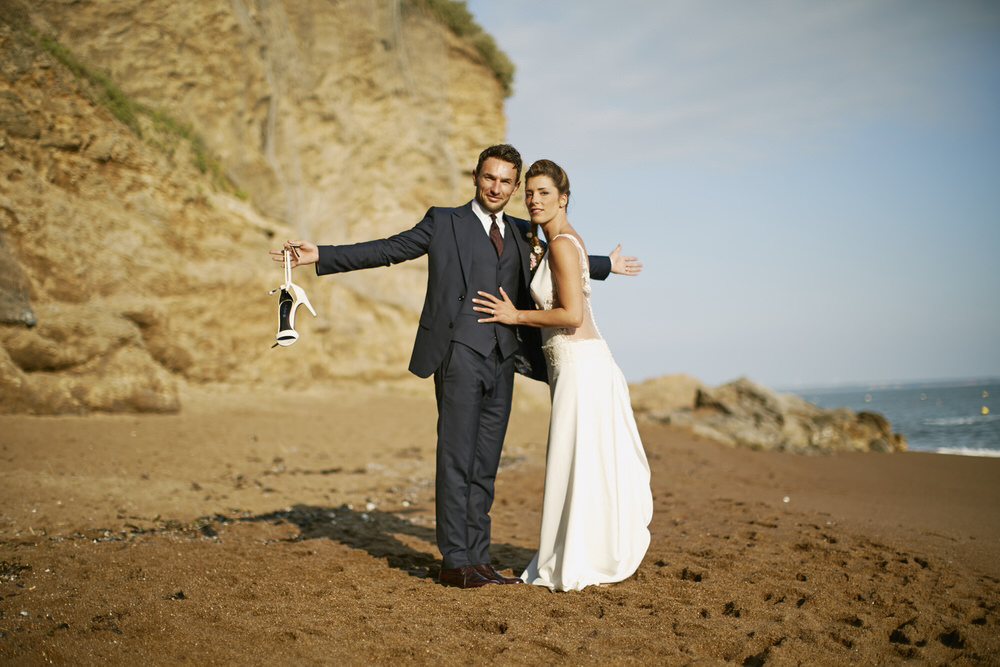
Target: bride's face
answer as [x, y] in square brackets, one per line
[542, 199]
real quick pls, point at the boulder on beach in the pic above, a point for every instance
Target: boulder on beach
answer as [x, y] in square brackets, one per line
[743, 413]
[665, 393]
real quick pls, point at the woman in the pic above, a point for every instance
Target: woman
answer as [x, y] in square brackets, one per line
[597, 502]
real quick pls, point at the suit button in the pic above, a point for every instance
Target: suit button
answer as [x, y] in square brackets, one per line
[461, 298]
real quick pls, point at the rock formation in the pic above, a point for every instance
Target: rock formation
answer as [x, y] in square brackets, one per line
[665, 394]
[141, 251]
[745, 414]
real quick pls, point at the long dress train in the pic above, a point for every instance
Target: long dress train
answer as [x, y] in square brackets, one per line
[597, 503]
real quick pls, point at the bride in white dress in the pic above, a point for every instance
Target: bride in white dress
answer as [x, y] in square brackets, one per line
[597, 503]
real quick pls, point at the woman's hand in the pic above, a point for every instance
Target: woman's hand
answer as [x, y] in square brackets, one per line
[500, 310]
[302, 252]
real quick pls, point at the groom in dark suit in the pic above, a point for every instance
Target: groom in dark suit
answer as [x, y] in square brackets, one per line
[469, 248]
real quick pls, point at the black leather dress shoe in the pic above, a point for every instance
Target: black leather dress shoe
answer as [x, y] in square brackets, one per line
[465, 576]
[489, 572]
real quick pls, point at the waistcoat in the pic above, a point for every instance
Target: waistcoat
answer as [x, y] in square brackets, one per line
[486, 273]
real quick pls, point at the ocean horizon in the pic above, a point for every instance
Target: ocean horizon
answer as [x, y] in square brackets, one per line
[945, 416]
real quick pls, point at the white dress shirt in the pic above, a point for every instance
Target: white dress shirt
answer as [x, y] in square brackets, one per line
[484, 217]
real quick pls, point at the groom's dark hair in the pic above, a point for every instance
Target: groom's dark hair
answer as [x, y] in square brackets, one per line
[504, 152]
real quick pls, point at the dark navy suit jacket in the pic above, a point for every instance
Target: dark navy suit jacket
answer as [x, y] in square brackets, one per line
[444, 235]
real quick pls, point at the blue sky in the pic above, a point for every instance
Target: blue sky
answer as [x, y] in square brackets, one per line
[813, 187]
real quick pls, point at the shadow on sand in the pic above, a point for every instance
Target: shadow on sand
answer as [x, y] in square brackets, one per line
[377, 532]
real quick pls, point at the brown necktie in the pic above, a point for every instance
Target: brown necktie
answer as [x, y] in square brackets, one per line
[495, 235]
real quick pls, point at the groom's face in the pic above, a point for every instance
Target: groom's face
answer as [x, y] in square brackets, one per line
[495, 181]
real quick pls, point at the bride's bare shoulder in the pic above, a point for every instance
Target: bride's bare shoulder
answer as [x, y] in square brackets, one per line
[569, 240]
[566, 251]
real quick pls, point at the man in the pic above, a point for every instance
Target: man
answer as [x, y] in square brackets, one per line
[470, 248]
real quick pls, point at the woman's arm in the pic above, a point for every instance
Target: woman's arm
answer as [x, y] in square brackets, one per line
[564, 262]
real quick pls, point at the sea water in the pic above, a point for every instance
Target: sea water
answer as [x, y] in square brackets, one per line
[950, 418]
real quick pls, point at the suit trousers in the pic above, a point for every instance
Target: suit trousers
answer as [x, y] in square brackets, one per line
[473, 400]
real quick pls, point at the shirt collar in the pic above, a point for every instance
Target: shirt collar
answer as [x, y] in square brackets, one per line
[484, 216]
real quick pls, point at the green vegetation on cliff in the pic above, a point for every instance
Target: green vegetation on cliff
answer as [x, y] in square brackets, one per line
[131, 113]
[455, 15]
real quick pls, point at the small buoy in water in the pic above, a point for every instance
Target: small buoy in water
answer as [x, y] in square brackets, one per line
[868, 398]
[923, 397]
[985, 410]
[986, 394]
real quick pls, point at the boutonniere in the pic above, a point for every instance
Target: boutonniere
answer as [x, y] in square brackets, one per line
[536, 252]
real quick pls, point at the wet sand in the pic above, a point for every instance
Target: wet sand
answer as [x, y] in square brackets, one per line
[299, 528]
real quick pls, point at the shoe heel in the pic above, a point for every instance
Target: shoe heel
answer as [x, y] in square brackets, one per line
[299, 298]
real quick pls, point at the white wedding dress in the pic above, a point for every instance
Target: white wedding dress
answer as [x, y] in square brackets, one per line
[597, 503]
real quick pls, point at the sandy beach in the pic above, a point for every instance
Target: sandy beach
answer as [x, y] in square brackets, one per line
[277, 527]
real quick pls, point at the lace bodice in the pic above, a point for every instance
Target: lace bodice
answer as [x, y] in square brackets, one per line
[545, 293]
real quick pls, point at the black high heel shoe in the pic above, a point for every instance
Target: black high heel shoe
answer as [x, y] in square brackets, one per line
[292, 296]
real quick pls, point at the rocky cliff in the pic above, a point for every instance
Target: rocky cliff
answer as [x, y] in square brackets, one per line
[152, 151]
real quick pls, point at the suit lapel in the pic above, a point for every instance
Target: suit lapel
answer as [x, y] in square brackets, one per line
[523, 250]
[464, 224]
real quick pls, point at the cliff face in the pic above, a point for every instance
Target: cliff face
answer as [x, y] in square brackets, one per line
[334, 121]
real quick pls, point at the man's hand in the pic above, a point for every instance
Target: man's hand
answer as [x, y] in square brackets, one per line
[626, 266]
[302, 252]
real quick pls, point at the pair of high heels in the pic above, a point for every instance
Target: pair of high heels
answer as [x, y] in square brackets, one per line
[292, 296]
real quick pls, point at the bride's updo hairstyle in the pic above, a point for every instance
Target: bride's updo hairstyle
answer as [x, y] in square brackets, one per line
[561, 181]
[553, 171]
